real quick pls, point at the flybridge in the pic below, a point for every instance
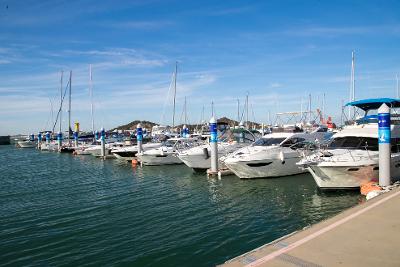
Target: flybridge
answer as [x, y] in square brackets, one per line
[375, 103]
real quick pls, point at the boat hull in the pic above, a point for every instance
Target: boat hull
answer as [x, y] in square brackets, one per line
[264, 168]
[155, 160]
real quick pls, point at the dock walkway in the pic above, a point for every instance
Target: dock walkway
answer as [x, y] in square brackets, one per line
[365, 235]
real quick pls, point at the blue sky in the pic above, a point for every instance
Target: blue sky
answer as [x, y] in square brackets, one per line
[277, 51]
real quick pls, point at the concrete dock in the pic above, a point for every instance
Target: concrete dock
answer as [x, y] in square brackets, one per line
[365, 235]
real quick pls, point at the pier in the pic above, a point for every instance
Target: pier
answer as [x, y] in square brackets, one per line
[365, 235]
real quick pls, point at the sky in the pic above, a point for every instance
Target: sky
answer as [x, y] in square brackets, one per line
[277, 52]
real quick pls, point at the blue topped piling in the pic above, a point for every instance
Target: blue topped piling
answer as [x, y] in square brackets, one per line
[32, 137]
[48, 137]
[139, 137]
[103, 142]
[214, 146]
[185, 131]
[384, 137]
[76, 138]
[96, 135]
[39, 137]
[59, 140]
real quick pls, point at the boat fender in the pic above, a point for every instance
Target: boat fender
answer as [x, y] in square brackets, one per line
[282, 157]
[134, 162]
[205, 153]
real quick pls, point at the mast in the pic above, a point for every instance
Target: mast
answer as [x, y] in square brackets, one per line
[185, 111]
[238, 107]
[61, 97]
[212, 108]
[247, 111]
[175, 76]
[323, 107]
[69, 108]
[309, 108]
[397, 86]
[91, 96]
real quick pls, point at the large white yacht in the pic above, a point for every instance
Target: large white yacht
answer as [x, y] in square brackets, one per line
[198, 157]
[273, 155]
[352, 157]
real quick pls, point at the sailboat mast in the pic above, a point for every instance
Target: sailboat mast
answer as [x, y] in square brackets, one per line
[69, 107]
[212, 108]
[247, 111]
[175, 76]
[185, 112]
[309, 108]
[397, 85]
[61, 97]
[238, 115]
[91, 96]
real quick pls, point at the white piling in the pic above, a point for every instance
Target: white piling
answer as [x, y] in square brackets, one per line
[76, 138]
[103, 143]
[185, 131]
[384, 136]
[262, 129]
[59, 140]
[48, 137]
[139, 137]
[214, 145]
[39, 137]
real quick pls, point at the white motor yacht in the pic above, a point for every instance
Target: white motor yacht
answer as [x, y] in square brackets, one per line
[167, 153]
[129, 152]
[273, 155]
[27, 144]
[352, 157]
[95, 150]
[198, 157]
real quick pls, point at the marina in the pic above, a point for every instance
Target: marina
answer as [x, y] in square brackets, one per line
[199, 133]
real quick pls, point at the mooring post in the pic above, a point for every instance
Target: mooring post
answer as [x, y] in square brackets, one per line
[214, 145]
[384, 136]
[76, 134]
[39, 138]
[59, 140]
[139, 137]
[48, 137]
[103, 142]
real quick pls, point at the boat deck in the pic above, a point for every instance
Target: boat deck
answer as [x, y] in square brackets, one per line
[365, 235]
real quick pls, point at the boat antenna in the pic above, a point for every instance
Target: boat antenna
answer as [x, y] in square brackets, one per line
[175, 76]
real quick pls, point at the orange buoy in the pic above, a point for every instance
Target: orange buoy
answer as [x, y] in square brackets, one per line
[368, 187]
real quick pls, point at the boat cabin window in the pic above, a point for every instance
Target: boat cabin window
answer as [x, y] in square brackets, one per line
[292, 141]
[355, 142]
[322, 130]
[395, 142]
[268, 141]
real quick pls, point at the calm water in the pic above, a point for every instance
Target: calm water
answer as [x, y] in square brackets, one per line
[57, 209]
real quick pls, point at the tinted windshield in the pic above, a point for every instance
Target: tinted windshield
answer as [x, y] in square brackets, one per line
[354, 142]
[268, 141]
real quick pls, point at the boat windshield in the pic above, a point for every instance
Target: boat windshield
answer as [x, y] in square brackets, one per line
[268, 141]
[355, 142]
